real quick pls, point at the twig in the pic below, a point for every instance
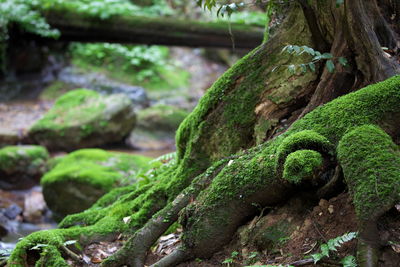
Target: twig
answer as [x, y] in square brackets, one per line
[71, 254]
[318, 231]
[311, 261]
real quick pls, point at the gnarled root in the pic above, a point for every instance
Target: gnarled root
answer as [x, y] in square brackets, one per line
[134, 251]
[371, 166]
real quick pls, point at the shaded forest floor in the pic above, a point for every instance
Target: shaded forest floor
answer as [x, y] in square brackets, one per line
[286, 235]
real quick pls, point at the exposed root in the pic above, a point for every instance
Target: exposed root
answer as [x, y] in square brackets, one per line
[134, 251]
[177, 256]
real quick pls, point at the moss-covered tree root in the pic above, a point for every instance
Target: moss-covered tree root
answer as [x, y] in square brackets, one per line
[135, 249]
[371, 165]
[254, 178]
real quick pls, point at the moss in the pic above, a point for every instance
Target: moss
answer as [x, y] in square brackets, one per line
[320, 130]
[84, 118]
[274, 237]
[64, 114]
[300, 140]
[84, 175]
[371, 166]
[96, 166]
[12, 157]
[301, 164]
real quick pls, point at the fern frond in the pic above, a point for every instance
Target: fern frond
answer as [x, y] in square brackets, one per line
[332, 245]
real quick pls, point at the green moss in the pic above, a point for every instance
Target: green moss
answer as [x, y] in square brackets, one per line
[83, 176]
[257, 169]
[97, 167]
[274, 237]
[301, 164]
[12, 157]
[371, 166]
[299, 140]
[64, 114]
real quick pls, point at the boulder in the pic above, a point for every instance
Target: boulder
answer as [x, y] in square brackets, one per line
[21, 166]
[156, 127]
[84, 118]
[9, 137]
[79, 179]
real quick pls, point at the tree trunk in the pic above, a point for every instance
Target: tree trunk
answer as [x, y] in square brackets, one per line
[152, 31]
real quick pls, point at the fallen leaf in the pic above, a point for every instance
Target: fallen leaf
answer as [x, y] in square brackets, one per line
[127, 219]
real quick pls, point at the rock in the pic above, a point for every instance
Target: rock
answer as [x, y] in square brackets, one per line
[12, 211]
[21, 166]
[82, 177]
[71, 77]
[83, 118]
[156, 127]
[34, 207]
[9, 137]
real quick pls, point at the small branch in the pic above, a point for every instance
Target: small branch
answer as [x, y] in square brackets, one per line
[71, 254]
[311, 261]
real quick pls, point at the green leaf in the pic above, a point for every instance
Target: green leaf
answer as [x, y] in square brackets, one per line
[292, 69]
[311, 66]
[343, 61]
[349, 261]
[325, 250]
[303, 68]
[330, 66]
[326, 56]
[317, 257]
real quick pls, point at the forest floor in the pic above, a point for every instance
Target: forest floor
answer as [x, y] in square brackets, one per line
[311, 225]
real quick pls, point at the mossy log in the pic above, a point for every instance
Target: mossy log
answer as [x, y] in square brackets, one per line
[151, 30]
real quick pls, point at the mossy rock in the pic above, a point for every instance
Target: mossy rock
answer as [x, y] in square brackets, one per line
[9, 137]
[84, 118]
[79, 179]
[21, 166]
[156, 127]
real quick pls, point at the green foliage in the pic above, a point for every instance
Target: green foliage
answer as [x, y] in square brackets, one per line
[332, 246]
[349, 261]
[316, 57]
[25, 14]
[247, 17]
[107, 8]
[231, 259]
[147, 66]
[28, 13]
[142, 61]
